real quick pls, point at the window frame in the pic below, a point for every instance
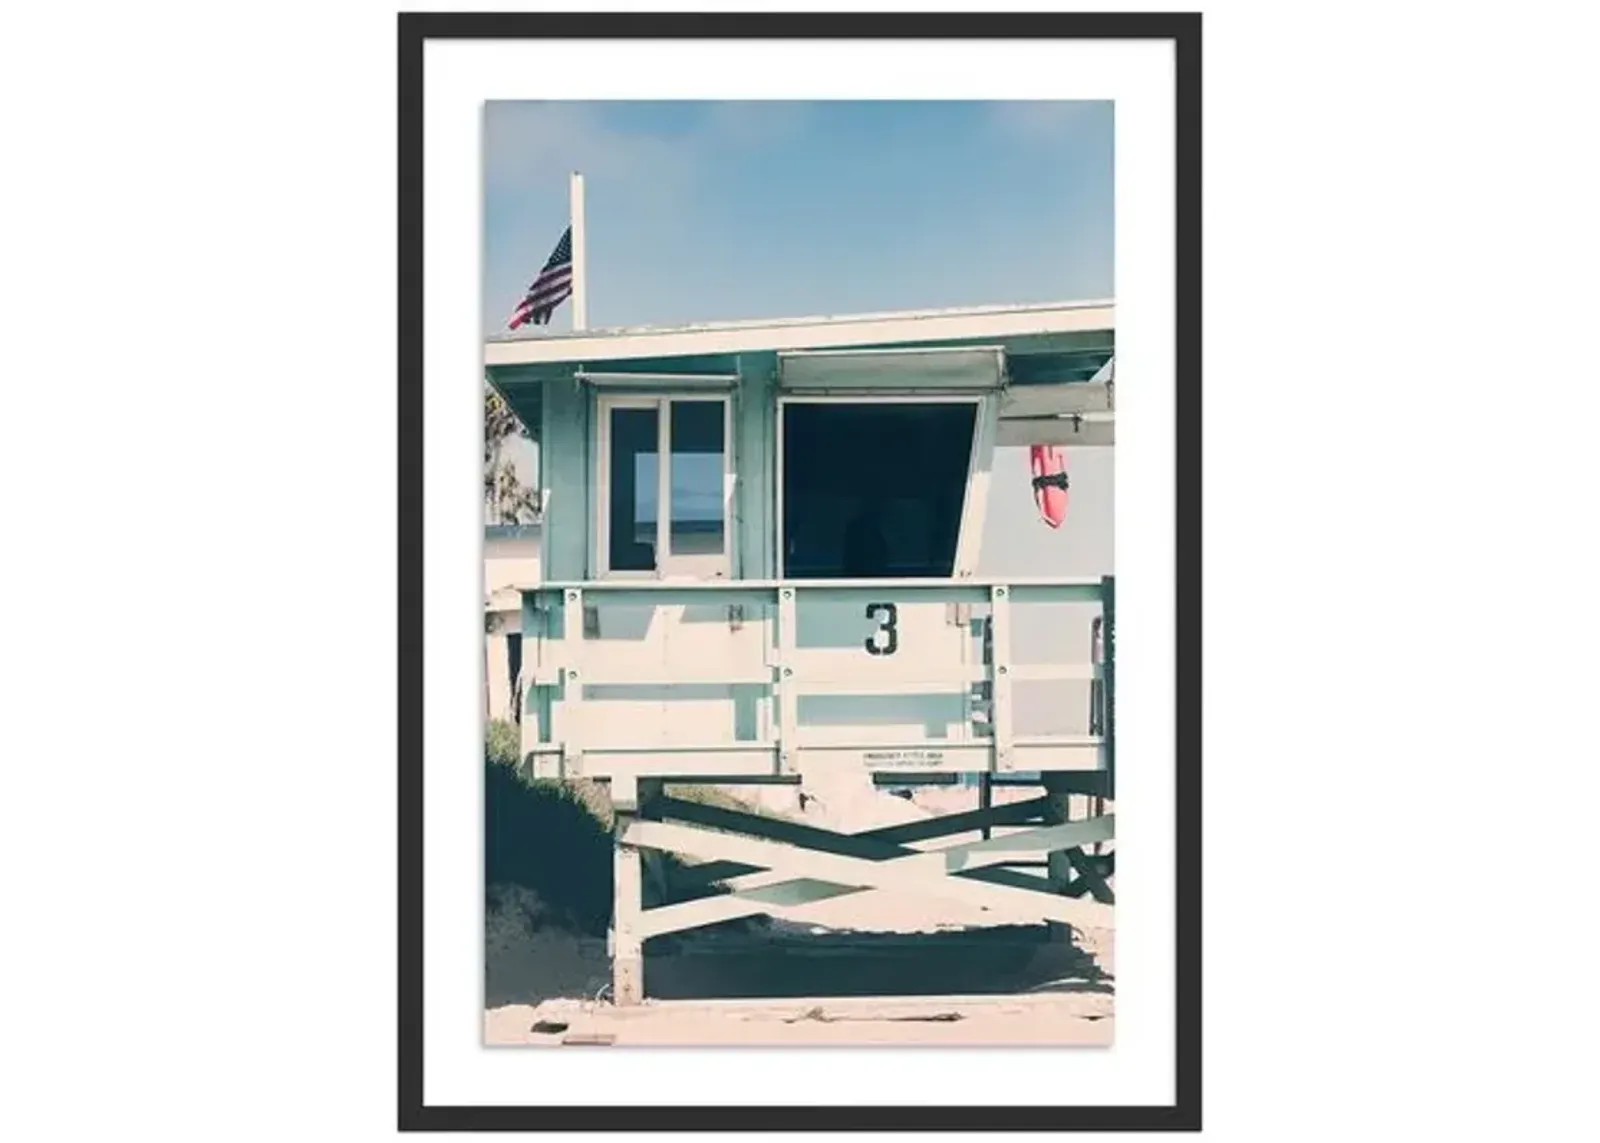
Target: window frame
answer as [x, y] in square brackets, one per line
[668, 566]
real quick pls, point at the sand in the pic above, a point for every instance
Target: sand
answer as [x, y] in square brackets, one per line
[1071, 1020]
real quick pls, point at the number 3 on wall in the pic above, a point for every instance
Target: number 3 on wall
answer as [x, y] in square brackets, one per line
[887, 631]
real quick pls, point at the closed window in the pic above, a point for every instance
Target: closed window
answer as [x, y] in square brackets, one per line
[665, 485]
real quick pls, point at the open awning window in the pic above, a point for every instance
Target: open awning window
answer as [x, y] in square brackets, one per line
[966, 369]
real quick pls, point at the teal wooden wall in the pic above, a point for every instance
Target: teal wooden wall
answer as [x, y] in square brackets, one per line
[754, 464]
[564, 470]
[568, 456]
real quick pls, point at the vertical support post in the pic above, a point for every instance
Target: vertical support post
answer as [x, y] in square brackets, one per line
[788, 695]
[986, 801]
[571, 710]
[653, 862]
[1000, 677]
[1058, 869]
[580, 260]
[627, 945]
[1058, 811]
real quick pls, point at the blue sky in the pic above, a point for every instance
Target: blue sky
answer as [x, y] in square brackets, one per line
[722, 211]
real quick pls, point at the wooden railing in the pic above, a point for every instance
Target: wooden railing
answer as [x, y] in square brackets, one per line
[766, 659]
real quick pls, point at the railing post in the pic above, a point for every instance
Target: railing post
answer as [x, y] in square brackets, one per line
[571, 718]
[788, 692]
[535, 643]
[986, 781]
[1000, 678]
[1096, 691]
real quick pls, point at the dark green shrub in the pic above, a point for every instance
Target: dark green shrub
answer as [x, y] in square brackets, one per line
[543, 837]
[554, 838]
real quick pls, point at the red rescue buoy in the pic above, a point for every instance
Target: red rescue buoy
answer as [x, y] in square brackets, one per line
[1050, 482]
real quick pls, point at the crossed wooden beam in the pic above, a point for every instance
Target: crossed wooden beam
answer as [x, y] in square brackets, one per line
[778, 867]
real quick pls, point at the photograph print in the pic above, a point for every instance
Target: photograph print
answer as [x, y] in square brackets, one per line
[799, 582]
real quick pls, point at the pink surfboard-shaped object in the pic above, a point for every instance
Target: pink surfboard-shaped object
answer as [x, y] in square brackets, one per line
[1050, 482]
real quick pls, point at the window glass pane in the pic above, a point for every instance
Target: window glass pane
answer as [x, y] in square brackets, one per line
[635, 458]
[697, 525]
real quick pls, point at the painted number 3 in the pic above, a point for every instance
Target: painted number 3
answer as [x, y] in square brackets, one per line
[886, 639]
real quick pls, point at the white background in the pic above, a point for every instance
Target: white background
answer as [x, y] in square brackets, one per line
[1138, 1068]
[196, 460]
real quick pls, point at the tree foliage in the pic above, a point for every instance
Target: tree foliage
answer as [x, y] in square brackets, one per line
[506, 499]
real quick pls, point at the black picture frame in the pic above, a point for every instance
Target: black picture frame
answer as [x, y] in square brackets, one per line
[1183, 30]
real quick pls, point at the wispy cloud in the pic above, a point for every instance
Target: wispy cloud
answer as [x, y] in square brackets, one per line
[525, 142]
[756, 122]
[1047, 120]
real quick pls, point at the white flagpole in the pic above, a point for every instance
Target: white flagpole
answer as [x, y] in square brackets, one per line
[580, 268]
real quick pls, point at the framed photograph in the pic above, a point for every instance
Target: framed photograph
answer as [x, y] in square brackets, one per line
[799, 476]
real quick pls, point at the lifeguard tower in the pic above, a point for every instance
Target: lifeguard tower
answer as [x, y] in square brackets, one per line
[760, 566]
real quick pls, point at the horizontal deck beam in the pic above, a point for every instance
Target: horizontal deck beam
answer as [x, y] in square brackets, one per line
[882, 679]
[758, 591]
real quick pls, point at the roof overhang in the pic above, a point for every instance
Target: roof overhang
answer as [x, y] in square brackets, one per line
[786, 334]
[1051, 364]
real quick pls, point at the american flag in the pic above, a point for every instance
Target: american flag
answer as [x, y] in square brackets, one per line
[549, 289]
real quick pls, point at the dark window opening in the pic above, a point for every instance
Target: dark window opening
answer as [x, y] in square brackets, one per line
[514, 671]
[874, 490]
[635, 460]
